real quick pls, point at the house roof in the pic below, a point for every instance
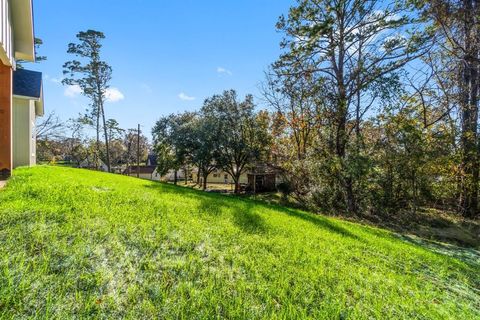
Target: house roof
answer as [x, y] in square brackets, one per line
[28, 84]
[152, 160]
[143, 169]
[264, 168]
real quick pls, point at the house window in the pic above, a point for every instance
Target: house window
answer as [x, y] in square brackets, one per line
[226, 177]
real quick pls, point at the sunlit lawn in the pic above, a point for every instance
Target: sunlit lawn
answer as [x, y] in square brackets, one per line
[76, 243]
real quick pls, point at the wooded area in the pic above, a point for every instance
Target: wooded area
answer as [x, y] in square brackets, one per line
[372, 107]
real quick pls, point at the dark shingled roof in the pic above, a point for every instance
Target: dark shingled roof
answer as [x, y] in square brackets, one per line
[143, 170]
[152, 160]
[27, 83]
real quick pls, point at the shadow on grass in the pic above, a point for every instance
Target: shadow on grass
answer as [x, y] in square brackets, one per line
[319, 221]
[244, 210]
[243, 213]
[246, 219]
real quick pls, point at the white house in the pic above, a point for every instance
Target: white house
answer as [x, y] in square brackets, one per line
[16, 42]
[144, 172]
[218, 176]
[170, 176]
[89, 163]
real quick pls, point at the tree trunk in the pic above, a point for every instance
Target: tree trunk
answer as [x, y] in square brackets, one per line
[236, 179]
[469, 112]
[175, 177]
[96, 154]
[205, 177]
[105, 131]
[341, 142]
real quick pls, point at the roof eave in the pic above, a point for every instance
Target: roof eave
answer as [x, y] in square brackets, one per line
[24, 39]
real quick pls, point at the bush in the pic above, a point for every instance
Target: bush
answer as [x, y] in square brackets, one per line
[285, 188]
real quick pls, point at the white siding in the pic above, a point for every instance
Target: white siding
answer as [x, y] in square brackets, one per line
[220, 176]
[33, 134]
[146, 176]
[6, 37]
[21, 132]
[24, 136]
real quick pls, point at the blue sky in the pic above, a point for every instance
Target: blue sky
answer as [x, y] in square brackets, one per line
[167, 56]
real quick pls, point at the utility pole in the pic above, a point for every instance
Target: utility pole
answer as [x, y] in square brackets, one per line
[138, 152]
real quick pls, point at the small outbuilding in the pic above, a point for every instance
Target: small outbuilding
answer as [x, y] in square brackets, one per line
[263, 178]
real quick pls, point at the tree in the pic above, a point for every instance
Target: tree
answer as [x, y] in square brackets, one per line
[49, 131]
[457, 26]
[201, 145]
[131, 143]
[351, 47]
[37, 42]
[92, 75]
[114, 130]
[241, 139]
[171, 139]
[50, 127]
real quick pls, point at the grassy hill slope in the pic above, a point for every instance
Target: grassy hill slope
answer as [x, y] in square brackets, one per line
[87, 244]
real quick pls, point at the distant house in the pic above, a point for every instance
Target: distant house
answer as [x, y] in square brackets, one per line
[16, 43]
[264, 178]
[152, 160]
[260, 178]
[218, 176]
[89, 163]
[144, 172]
[27, 106]
[170, 176]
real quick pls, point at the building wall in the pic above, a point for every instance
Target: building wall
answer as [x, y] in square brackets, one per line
[218, 176]
[170, 176]
[6, 37]
[147, 176]
[23, 132]
[33, 134]
[5, 121]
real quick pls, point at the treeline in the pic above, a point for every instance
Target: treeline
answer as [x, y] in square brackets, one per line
[373, 107]
[380, 101]
[225, 134]
[70, 142]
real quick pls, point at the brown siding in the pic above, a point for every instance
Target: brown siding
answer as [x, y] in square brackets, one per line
[265, 182]
[5, 121]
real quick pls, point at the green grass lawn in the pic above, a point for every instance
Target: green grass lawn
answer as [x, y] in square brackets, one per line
[77, 243]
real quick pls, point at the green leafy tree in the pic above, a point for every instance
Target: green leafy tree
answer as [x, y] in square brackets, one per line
[350, 47]
[201, 144]
[132, 144]
[241, 139]
[92, 75]
[456, 25]
[171, 142]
